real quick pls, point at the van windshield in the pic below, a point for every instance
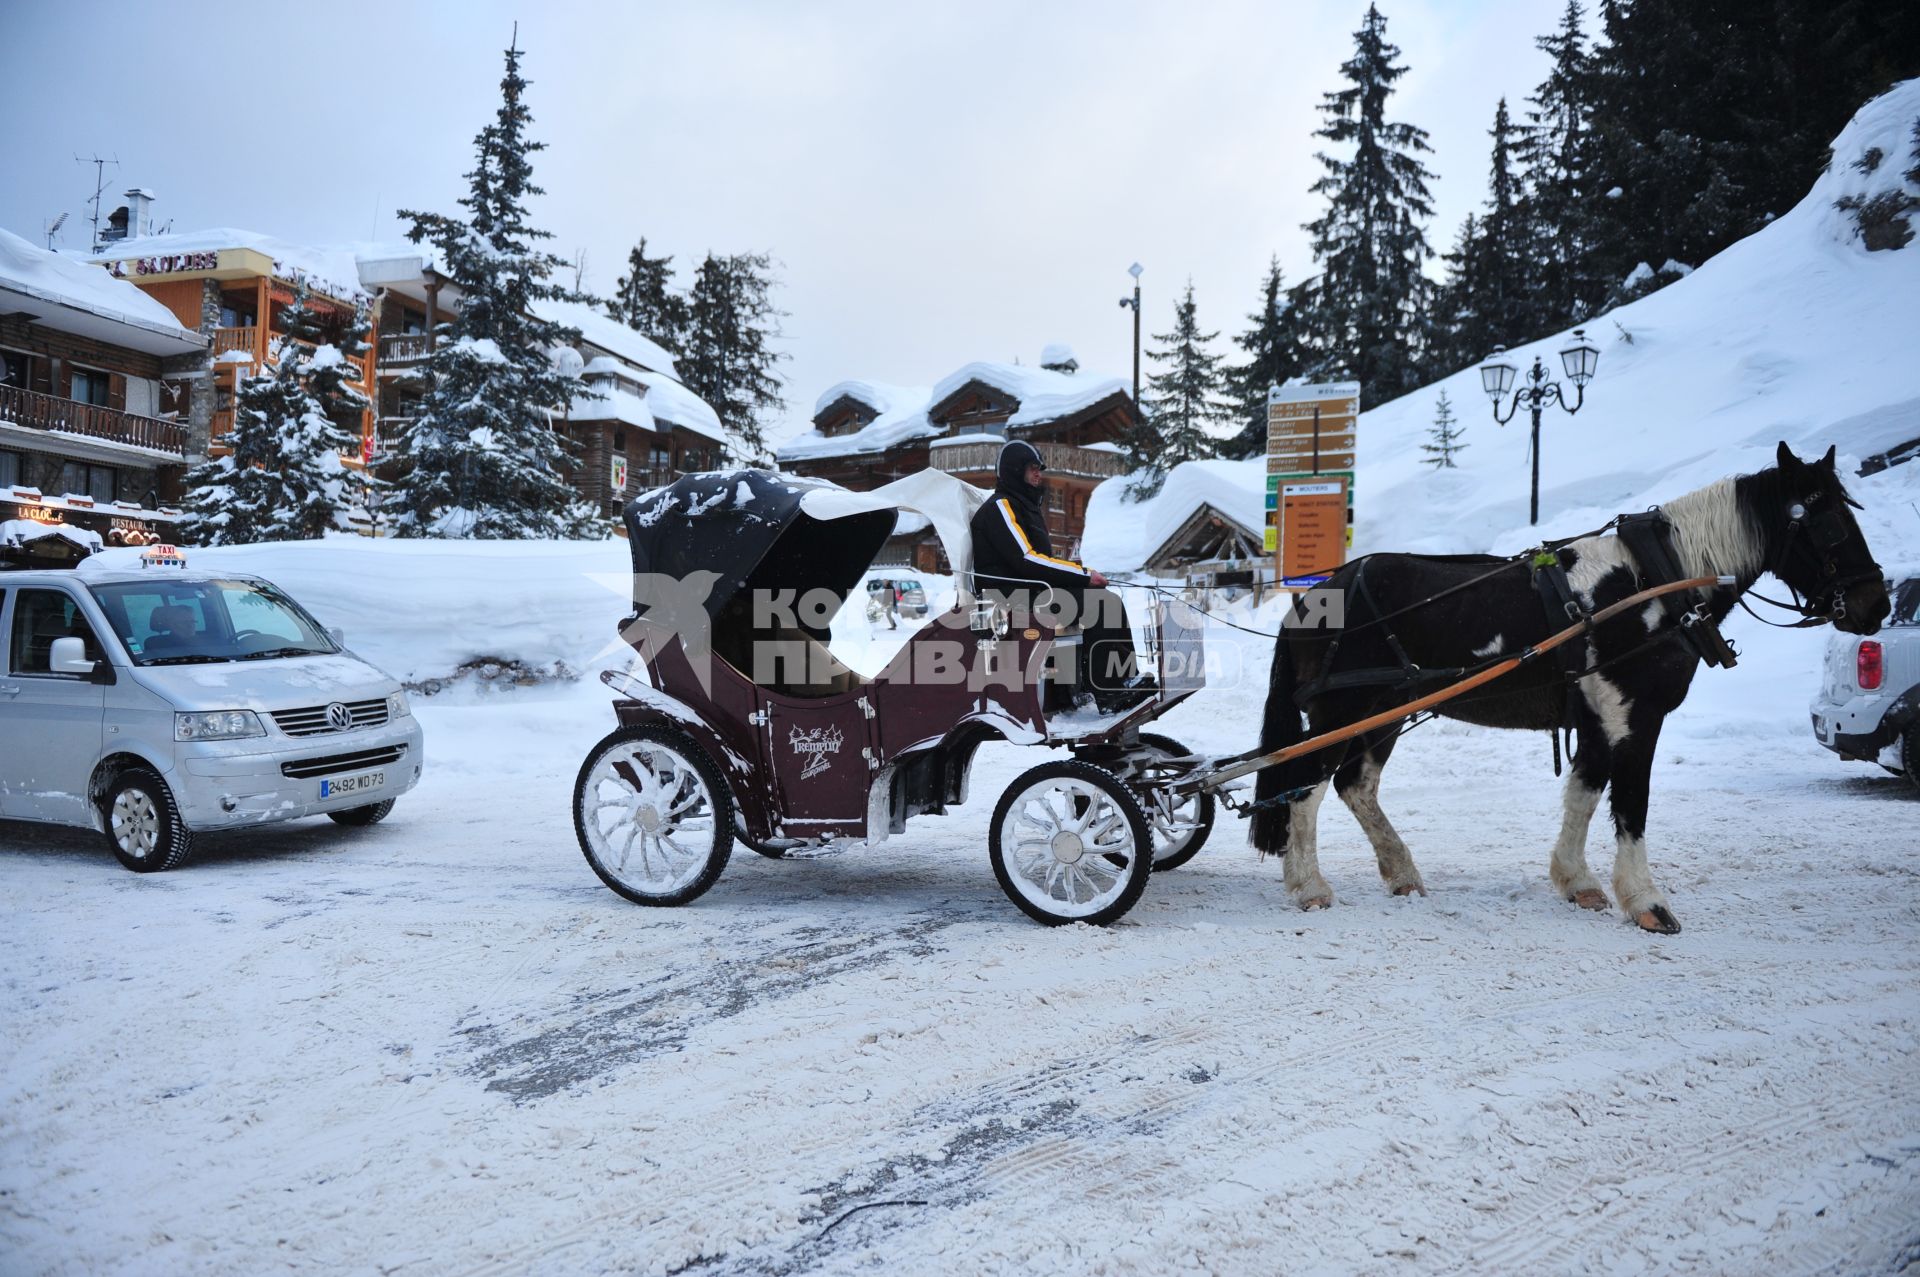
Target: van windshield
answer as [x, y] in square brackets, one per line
[174, 622]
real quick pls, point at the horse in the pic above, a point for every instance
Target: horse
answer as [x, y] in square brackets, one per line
[1407, 613]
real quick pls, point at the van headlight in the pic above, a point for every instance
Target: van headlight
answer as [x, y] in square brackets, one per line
[397, 706]
[219, 724]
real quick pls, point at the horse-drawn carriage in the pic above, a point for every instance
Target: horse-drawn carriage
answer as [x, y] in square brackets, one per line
[738, 723]
[745, 724]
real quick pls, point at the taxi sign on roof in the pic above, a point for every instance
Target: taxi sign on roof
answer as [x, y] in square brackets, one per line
[162, 556]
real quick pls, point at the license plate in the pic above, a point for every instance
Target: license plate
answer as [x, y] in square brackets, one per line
[363, 782]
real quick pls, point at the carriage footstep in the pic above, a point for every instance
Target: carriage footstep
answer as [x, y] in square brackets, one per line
[1659, 920]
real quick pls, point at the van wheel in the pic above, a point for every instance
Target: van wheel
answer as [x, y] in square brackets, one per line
[143, 826]
[358, 816]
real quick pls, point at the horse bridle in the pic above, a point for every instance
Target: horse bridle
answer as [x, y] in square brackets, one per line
[1824, 532]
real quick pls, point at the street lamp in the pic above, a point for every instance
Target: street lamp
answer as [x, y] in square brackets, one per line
[1134, 301]
[1579, 359]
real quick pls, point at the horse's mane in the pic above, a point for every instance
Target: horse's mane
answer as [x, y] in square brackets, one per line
[1717, 532]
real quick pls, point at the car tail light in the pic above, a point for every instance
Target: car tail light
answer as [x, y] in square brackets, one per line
[1867, 665]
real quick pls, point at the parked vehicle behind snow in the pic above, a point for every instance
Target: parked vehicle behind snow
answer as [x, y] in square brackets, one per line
[153, 702]
[1868, 707]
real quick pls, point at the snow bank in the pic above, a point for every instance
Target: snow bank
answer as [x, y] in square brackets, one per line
[26, 268]
[422, 610]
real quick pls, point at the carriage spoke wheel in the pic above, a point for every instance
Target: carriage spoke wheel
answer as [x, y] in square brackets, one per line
[1181, 823]
[653, 816]
[1069, 843]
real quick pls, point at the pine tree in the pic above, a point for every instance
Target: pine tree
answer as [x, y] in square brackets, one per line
[728, 358]
[1488, 298]
[1443, 440]
[644, 300]
[1558, 156]
[483, 458]
[284, 479]
[1186, 403]
[1274, 358]
[1371, 298]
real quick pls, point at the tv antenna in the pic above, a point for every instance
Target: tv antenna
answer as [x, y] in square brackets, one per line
[53, 228]
[99, 185]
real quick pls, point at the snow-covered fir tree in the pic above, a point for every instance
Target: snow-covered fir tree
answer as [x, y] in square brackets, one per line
[645, 300]
[1443, 439]
[1272, 346]
[483, 458]
[1489, 296]
[728, 357]
[1371, 298]
[1556, 152]
[283, 478]
[1185, 403]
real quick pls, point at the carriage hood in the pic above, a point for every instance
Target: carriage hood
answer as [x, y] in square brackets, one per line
[757, 529]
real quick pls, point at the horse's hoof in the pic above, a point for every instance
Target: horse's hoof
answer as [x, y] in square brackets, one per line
[1410, 889]
[1591, 898]
[1659, 920]
[1316, 902]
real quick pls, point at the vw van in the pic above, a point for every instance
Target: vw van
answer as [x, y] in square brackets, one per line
[154, 702]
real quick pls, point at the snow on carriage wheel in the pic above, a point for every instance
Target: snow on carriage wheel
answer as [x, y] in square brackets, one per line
[654, 819]
[1181, 824]
[1069, 843]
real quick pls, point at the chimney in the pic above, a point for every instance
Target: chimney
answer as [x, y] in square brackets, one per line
[139, 212]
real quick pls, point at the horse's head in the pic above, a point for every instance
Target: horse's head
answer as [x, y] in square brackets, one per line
[1815, 547]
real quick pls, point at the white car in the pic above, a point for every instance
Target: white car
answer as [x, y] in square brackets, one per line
[1868, 707]
[154, 702]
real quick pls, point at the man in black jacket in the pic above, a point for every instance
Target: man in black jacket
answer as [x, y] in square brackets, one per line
[1012, 551]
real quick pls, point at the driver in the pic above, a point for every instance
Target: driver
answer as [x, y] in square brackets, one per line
[1012, 549]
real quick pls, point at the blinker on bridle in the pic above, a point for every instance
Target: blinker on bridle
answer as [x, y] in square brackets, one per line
[1826, 531]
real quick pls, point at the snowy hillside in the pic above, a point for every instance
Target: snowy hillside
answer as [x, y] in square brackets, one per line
[1796, 333]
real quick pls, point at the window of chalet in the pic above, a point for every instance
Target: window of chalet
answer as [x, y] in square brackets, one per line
[620, 441]
[12, 467]
[89, 386]
[16, 368]
[99, 482]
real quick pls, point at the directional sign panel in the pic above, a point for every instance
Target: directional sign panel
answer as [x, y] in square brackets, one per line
[1311, 448]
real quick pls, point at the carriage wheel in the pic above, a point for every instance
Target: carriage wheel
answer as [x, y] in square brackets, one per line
[1180, 824]
[1069, 843]
[654, 819]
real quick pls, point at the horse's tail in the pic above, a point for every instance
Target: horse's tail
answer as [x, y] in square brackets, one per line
[1279, 728]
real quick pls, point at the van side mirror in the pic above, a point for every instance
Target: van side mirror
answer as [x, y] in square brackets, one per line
[69, 656]
[338, 635]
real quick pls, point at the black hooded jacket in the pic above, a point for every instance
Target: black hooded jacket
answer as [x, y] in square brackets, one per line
[1010, 539]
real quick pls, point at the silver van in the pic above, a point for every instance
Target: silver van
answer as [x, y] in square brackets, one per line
[154, 702]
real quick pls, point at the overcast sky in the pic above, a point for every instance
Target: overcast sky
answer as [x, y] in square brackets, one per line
[939, 182]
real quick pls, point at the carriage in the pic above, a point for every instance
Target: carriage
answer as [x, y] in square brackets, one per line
[737, 723]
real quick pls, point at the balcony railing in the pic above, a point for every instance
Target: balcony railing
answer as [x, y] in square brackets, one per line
[227, 340]
[49, 412]
[1061, 458]
[402, 348]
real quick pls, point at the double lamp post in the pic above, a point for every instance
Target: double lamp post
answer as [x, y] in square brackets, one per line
[1580, 358]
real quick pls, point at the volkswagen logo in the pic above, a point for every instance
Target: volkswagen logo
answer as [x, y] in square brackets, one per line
[339, 717]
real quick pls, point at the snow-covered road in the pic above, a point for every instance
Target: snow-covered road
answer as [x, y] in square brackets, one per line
[441, 1046]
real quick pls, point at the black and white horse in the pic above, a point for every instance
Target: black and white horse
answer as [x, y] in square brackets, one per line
[1791, 519]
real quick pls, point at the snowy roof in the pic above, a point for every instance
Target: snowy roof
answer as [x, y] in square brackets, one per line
[674, 403]
[1043, 395]
[333, 271]
[1055, 353]
[902, 416]
[15, 533]
[608, 334]
[604, 401]
[69, 295]
[1120, 534]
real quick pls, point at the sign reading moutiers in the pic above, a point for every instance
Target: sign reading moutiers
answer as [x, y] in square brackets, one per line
[1310, 454]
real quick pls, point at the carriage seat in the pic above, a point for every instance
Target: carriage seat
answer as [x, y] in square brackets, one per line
[824, 674]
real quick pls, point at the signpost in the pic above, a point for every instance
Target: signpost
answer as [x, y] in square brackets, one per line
[1310, 460]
